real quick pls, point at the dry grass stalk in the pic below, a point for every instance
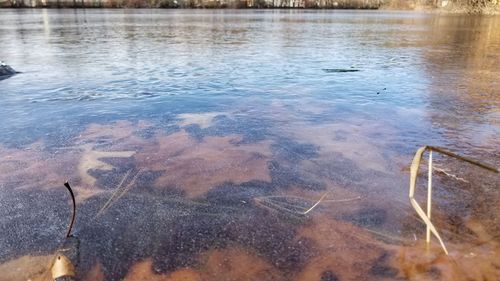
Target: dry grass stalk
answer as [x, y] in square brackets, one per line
[413, 182]
[119, 192]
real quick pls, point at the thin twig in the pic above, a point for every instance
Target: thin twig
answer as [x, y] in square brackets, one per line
[119, 191]
[343, 200]
[463, 158]
[130, 185]
[316, 204]
[114, 194]
[287, 207]
[449, 174]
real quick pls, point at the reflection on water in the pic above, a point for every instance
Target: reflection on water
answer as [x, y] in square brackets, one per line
[471, 116]
[198, 143]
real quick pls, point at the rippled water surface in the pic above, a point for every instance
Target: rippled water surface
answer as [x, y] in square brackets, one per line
[198, 143]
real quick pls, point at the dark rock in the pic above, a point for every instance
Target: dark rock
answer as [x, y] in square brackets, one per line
[6, 71]
[339, 70]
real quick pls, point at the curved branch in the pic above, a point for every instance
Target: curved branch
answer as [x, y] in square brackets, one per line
[68, 187]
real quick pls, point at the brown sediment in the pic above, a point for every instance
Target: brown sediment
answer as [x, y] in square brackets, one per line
[33, 167]
[158, 153]
[197, 166]
[350, 140]
[144, 271]
[92, 160]
[97, 142]
[462, 192]
[230, 264]
[237, 264]
[360, 240]
[116, 134]
[95, 274]
[203, 120]
[36, 167]
[35, 268]
[348, 238]
[120, 139]
[339, 251]
[464, 212]
[476, 259]
[187, 163]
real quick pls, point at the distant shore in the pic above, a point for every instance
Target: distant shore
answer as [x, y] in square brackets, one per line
[445, 6]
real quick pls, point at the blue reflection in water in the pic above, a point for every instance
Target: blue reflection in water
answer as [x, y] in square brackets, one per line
[90, 66]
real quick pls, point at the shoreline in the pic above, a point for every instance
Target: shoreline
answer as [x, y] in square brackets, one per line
[488, 7]
[455, 11]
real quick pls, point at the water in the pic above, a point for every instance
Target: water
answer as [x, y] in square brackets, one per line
[196, 142]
